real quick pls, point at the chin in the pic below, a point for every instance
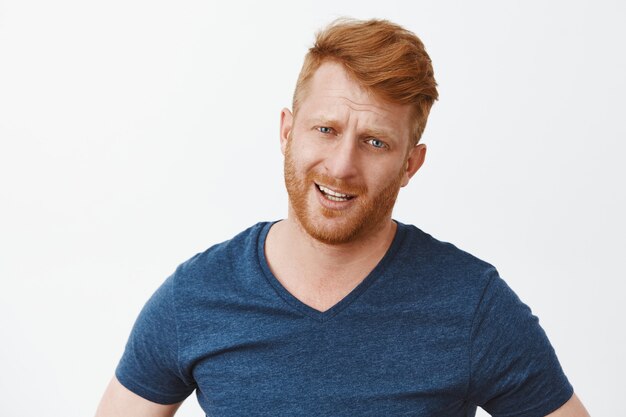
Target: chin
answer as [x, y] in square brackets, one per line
[335, 227]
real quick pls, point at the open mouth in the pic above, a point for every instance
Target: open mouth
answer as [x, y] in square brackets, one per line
[333, 195]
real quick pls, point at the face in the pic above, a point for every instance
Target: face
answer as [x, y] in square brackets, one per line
[347, 153]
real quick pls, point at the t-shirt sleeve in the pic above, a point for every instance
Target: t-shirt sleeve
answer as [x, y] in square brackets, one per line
[149, 366]
[514, 371]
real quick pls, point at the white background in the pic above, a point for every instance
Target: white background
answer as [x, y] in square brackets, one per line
[134, 134]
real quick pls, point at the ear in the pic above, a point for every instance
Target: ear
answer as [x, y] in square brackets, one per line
[286, 123]
[415, 160]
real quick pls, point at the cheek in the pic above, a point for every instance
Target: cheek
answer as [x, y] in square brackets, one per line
[297, 167]
[393, 176]
[306, 157]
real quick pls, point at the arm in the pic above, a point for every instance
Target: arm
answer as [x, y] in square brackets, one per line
[118, 401]
[572, 408]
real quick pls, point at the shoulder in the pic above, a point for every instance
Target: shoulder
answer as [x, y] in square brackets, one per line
[221, 259]
[442, 263]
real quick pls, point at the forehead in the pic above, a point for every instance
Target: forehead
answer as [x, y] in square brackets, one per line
[332, 93]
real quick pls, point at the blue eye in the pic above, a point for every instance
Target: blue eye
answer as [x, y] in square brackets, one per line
[324, 129]
[377, 143]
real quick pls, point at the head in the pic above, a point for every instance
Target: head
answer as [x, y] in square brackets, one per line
[360, 108]
[384, 58]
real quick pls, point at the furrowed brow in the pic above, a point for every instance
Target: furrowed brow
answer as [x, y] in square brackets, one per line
[374, 132]
[323, 120]
[379, 133]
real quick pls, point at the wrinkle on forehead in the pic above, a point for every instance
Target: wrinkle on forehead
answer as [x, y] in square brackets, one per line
[334, 95]
[331, 80]
[380, 110]
[372, 117]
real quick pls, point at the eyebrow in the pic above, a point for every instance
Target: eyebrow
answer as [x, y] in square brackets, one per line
[374, 132]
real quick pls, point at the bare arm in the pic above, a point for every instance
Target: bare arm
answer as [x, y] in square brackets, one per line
[572, 408]
[118, 401]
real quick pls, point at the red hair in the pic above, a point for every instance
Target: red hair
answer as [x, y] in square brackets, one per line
[381, 56]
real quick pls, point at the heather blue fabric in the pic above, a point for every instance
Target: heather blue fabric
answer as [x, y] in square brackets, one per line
[431, 331]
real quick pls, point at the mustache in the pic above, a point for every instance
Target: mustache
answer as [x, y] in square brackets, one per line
[336, 184]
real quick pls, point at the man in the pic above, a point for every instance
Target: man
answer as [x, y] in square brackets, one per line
[339, 310]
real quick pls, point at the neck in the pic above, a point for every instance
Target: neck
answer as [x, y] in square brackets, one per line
[332, 261]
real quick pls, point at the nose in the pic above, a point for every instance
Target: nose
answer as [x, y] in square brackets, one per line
[342, 162]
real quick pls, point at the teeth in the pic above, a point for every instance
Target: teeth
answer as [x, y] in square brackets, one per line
[333, 198]
[332, 193]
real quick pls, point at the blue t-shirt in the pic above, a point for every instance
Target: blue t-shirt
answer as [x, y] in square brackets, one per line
[431, 331]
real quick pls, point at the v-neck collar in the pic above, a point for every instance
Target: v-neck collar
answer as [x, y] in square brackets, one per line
[309, 311]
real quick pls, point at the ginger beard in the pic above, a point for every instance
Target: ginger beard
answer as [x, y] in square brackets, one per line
[337, 226]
